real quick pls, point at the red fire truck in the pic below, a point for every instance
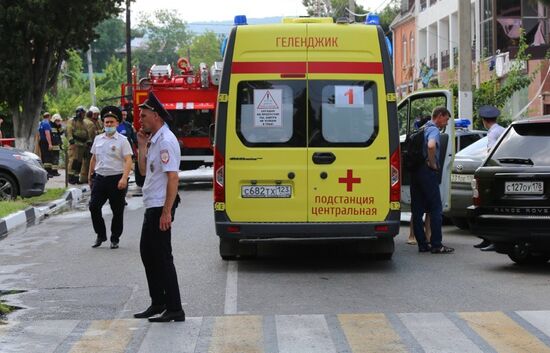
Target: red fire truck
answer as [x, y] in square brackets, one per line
[190, 98]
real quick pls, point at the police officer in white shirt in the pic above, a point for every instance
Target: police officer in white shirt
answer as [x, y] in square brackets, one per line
[110, 165]
[489, 115]
[159, 159]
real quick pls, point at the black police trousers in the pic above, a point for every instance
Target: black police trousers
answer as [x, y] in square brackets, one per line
[106, 188]
[156, 254]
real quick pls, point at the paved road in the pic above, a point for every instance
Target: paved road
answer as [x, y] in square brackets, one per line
[290, 299]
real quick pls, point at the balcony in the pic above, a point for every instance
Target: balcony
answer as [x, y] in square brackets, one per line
[433, 62]
[423, 5]
[445, 60]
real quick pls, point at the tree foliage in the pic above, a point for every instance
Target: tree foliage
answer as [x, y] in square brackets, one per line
[331, 8]
[205, 48]
[166, 34]
[35, 36]
[111, 37]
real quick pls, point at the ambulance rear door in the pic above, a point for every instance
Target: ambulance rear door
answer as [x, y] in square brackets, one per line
[348, 151]
[413, 108]
[266, 168]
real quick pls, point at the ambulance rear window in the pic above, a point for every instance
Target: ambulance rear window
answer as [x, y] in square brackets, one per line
[270, 113]
[344, 113]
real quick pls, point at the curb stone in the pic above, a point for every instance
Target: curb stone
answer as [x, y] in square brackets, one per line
[33, 214]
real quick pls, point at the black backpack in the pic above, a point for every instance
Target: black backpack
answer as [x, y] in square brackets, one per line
[413, 156]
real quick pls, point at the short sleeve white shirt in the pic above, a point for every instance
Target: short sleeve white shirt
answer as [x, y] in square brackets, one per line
[109, 153]
[493, 134]
[163, 156]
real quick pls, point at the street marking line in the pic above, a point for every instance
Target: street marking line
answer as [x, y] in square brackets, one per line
[243, 334]
[106, 336]
[230, 306]
[539, 319]
[304, 334]
[370, 333]
[436, 333]
[503, 333]
[179, 337]
[35, 337]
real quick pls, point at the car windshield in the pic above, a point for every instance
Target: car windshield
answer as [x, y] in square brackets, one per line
[526, 144]
[478, 148]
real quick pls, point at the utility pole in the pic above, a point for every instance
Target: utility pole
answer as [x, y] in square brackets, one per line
[91, 74]
[465, 98]
[351, 7]
[128, 49]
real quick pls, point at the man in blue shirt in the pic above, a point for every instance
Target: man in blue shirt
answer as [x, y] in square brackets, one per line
[125, 128]
[45, 143]
[425, 195]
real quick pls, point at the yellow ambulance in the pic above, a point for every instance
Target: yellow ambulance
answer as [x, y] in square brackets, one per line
[306, 143]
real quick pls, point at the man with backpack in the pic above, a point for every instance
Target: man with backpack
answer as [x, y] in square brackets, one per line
[425, 195]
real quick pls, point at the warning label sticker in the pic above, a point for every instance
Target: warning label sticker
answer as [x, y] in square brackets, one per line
[267, 107]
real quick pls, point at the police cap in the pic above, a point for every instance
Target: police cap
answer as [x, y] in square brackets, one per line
[111, 111]
[152, 103]
[488, 112]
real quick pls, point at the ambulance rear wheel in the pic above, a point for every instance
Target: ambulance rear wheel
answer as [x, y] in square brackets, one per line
[229, 249]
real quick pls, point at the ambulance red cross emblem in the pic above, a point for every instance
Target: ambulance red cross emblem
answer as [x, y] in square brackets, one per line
[349, 180]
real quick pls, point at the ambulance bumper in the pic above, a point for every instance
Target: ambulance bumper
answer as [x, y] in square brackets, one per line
[307, 231]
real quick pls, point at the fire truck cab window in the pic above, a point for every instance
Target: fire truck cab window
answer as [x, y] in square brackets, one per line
[191, 123]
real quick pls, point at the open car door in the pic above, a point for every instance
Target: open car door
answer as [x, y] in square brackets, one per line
[416, 106]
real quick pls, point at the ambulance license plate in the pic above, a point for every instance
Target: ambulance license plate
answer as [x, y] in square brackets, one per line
[266, 191]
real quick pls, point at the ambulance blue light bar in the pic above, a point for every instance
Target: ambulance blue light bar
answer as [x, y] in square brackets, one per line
[462, 123]
[240, 20]
[372, 19]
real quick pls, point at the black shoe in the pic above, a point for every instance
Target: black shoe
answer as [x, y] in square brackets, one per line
[98, 242]
[485, 243]
[168, 316]
[425, 248]
[114, 245]
[150, 311]
[490, 247]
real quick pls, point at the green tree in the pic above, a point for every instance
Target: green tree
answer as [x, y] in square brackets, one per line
[388, 14]
[331, 8]
[111, 37]
[204, 48]
[35, 36]
[166, 33]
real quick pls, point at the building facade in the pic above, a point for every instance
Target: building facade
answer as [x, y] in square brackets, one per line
[496, 27]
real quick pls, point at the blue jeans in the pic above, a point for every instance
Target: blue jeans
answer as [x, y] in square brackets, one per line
[426, 198]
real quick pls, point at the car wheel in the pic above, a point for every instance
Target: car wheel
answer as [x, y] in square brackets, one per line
[8, 187]
[460, 222]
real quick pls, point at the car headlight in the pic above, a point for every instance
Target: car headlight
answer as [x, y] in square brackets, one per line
[29, 157]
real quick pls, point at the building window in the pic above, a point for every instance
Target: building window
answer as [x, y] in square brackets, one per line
[486, 28]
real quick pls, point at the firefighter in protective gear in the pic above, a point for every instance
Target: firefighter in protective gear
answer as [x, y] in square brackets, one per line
[57, 144]
[77, 135]
[93, 128]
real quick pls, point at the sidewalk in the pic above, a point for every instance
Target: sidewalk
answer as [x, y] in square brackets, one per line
[31, 215]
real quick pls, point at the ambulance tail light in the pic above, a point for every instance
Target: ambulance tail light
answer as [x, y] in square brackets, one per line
[395, 176]
[382, 229]
[219, 176]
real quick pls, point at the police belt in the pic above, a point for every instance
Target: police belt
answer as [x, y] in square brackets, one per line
[99, 176]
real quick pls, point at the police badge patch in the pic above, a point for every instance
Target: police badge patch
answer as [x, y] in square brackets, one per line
[113, 148]
[164, 156]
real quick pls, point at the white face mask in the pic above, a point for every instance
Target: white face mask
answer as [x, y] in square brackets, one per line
[110, 130]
